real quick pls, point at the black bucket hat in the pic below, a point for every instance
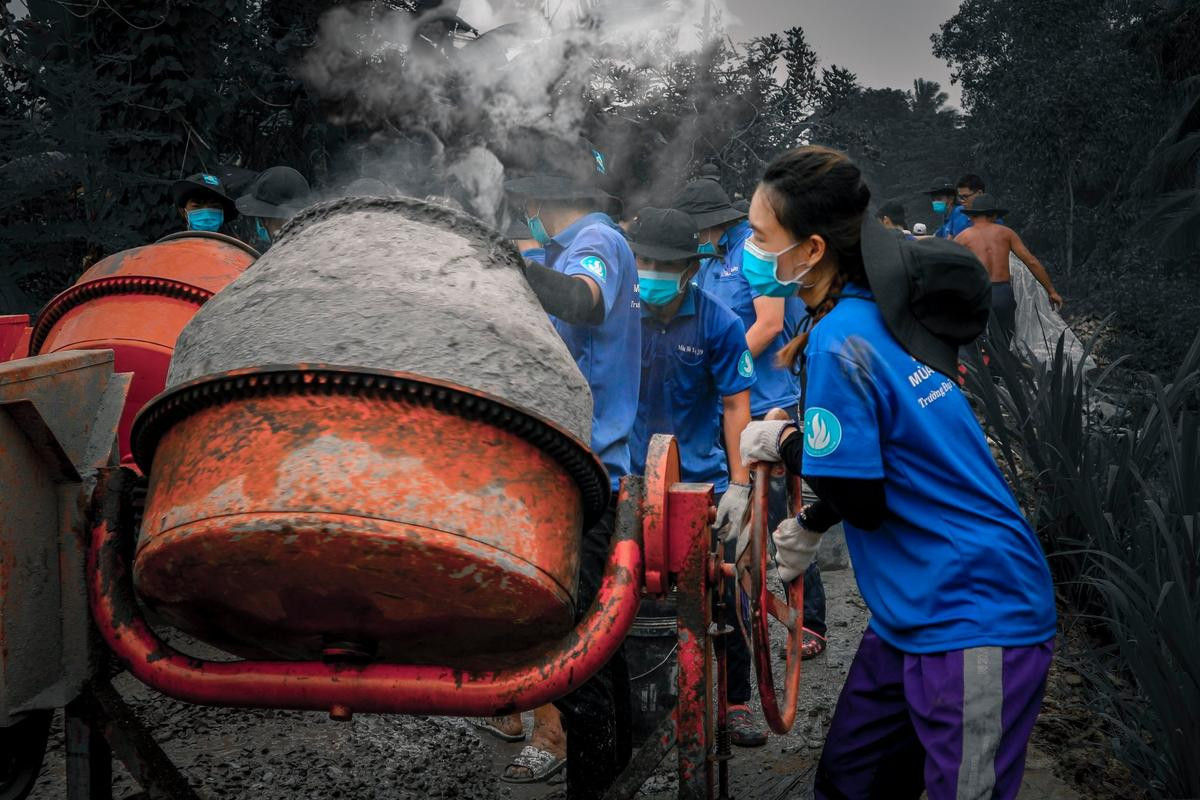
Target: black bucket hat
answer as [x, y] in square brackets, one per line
[203, 183]
[985, 204]
[278, 193]
[707, 204]
[941, 185]
[551, 168]
[665, 234]
[934, 295]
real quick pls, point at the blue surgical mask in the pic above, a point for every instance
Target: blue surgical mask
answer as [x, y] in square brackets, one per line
[262, 231]
[659, 288]
[762, 271]
[939, 206]
[537, 230]
[205, 219]
[708, 248]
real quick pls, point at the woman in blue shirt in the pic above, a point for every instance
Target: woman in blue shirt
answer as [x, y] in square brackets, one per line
[948, 680]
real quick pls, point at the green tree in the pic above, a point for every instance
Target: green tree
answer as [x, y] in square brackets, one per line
[1057, 100]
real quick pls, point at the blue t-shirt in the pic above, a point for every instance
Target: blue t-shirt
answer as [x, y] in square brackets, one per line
[606, 354]
[688, 365]
[955, 564]
[775, 386]
[535, 254]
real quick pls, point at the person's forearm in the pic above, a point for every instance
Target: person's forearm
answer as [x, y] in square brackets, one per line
[568, 298]
[1040, 273]
[761, 334]
[735, 419]
[862, 503]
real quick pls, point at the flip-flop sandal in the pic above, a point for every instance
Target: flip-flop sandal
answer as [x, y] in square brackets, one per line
[542, 765]
[488, 725]
[812, 645]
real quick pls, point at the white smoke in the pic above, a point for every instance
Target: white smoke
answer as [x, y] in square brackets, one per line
[452, 102]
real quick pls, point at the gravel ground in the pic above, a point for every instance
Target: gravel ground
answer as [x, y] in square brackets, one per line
[266, 755]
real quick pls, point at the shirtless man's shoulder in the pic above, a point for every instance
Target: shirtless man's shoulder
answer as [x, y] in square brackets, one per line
[991, 244]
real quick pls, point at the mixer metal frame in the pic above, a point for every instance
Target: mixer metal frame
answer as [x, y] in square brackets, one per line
[668, 520]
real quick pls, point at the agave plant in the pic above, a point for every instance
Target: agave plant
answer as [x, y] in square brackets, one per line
[1116, 500]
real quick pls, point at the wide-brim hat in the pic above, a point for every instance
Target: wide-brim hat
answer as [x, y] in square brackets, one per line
[707, 204]
[542, 166]
[985, 204]
[203, 183]
[941, 185]
[665, 234]
[278, 193]
[555, 187]
[934, 295]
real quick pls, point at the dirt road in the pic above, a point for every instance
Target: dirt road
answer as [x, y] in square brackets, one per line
[278, 755]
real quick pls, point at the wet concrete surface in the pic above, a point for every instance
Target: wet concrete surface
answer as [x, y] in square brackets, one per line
[264, 755]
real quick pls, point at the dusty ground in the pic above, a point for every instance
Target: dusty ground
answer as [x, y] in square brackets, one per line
[267, 755]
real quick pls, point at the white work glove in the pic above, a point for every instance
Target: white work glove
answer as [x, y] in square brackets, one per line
[731, 510]
[795, 549]
[760, 440]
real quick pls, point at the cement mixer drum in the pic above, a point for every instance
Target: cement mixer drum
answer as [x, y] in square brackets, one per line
[372, 443]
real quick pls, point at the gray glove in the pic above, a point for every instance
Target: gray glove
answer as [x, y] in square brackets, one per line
[795, 549]
[731, 510]
[760, 440]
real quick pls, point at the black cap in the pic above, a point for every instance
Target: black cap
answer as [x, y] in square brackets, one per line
[203, 184]
[665, 234]
[934, 295]
[941, 185]
[278, 193]
[985, 204]
[707, 204]
[742, 205]
[542, 166]
[893, 210]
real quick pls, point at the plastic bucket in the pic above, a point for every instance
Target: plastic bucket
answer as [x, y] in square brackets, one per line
[650, 650]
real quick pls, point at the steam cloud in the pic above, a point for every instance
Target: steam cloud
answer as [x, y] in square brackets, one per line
[444, 108]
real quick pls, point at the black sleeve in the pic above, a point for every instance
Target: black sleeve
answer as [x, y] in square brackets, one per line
[862, 503]
[566, 297]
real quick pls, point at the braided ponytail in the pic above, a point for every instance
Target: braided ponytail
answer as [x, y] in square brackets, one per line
[791, 353]
[819, 191]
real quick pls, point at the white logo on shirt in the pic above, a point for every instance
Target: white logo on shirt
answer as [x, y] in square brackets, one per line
[922, 373]
[936, 394]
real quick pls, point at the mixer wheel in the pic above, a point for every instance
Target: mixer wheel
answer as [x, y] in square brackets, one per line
[22, 747]
[789, 610]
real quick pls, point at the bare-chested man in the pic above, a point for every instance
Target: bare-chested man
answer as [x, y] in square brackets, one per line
[991, 242]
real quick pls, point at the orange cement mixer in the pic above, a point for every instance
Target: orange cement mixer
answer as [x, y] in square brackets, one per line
[358, 457]
[135, 303]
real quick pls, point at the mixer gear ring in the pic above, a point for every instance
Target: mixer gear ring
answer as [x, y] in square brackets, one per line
[174, 404]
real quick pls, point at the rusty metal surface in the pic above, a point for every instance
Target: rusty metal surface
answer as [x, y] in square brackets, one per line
[103, 710]
[378, 688]
[694, 717]
[276, 523]
[179, 402]
[662, 472]
[58, 420]
[14, 336]
[780, 713]
[135, 303]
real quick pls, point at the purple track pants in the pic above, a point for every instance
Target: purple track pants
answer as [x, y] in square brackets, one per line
[955, 724]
